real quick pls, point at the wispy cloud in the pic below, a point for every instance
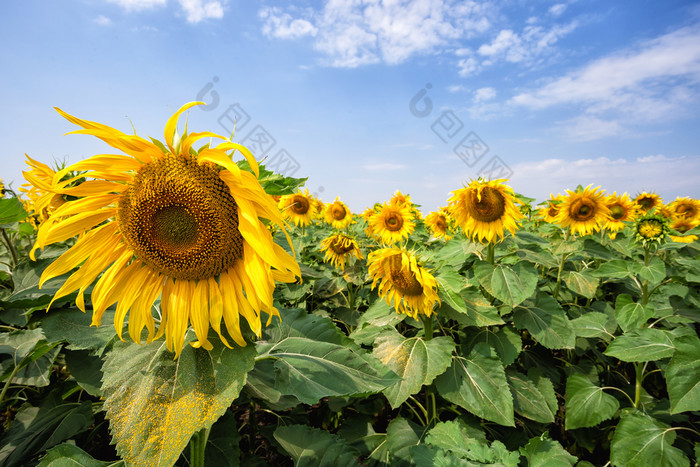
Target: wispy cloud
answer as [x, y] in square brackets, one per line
[194, 10]
[102, 20]
[350, 33]
[139, 5]
[654, 81]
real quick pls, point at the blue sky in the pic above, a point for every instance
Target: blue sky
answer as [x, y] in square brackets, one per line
[367, 97]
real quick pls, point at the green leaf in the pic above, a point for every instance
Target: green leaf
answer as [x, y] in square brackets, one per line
[593, 324]
[642, 441]
[583, 283]
[260, 384]
[310, 370]
[545, 452]
[11, 211]
[86, 369]
[313, 447]
[683, 375]
[299, 323]
[27, 293]
[528, 401]
[35, 429]
[631, 315]
[547, 322]
[401, 434]
[222, 446]
[478, 384]
[31, 353]
[655, 272]
[381, 314]
[155, 403]
[70, 455]
[454, 436]
[586, 403]
[73, 326]
[546, 388]
[510, 285]
[642, 345]
[415, 360]
[427, 455]
[479, 311]
[505, 340]
[358, 432]
[615, 269]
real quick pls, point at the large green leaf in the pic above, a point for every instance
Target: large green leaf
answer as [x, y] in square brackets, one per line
[35, 429]
[478, 384]
[310, 370]
[643, 441]
[415, 360]
[642, 345]
[505, 340]
[316, 448]
[629, 314]
[74, 327]
[615, 269]
[70, 455]
[31, 357]
[299, 323]
[86, 369]
[401, 435]
[547, 322]
[479, 311]
[542, 451]
[583, 282]
[11, 211]
[455, 436]
[528, 400]
[593, 324]
[510, 285]
[155, 403]
[586, 403]
[358, 432]
[655, 272]
[683, 375]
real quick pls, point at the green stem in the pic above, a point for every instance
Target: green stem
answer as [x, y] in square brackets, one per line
[10, 246]
[490, 253]
[639, 377]
[198, 445]
[427, 326]
[562, 260]
[9, 380]
[645, 283]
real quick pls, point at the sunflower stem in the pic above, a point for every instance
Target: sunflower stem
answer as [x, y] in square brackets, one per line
[427, 326]
[10, 247]
[639, 373]
[490, 252]
[562, 260]
[198, 445]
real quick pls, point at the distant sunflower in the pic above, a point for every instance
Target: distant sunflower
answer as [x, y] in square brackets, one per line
[439, 223]
[682, 226]
[42, 200]
[392, 223]
[401, 280]
[319, 207]
[583, 211]
[685, 208]
[647, 201]
[299, 207]
[339, 248]
[622, 210]
[400, 199]
[337, 214]
[170, 222]
[485, 209]
[651, 229]
[550, 210]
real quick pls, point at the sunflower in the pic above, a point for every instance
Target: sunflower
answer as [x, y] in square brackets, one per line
[647, 201]
[439, 223]
[339, 248]
[42, 199]
[392, 223]
[400, 199]
[337, 214]
[298, 207]
[583, 210]
[650, 229]
[685, 208]
[622, 210]
[549, 212]
[682, 226]
[485, 209]
[172, 222]
[411, 287]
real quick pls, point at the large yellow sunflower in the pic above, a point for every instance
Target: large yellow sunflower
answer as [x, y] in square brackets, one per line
[411, 287]
[622, 210]
[392, 223]
[337, 214]
[682, 226]
[583, 211]
[172, 222]
[485, 209]
[339, 248]
[439, 223]
[299, 207]
[685, 208]
[647, 201]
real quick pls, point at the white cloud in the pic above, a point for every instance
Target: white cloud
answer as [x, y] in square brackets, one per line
[652, 173]
[283, 26]
[351, 33]
[533, 42]
[102, 20]
[557, 10]
[198, 10]
[468, 66]
[454, 88]
[589, 128]
[484, 94]
[138, 5]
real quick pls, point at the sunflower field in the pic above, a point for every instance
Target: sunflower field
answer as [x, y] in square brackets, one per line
[167, 305]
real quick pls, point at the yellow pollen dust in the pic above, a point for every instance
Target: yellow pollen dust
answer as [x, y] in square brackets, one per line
[403, 280]
[488, 205]
[180, 219]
